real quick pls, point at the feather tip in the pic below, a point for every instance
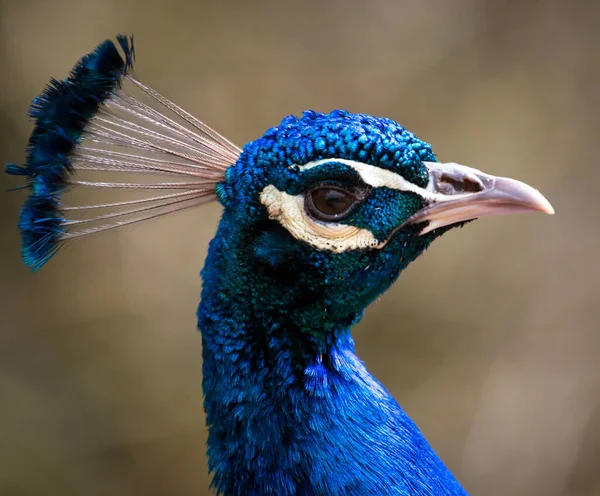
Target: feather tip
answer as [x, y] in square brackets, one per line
[60, 114]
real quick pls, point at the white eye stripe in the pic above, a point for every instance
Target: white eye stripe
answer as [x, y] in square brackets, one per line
[378, 178]
[289, 211]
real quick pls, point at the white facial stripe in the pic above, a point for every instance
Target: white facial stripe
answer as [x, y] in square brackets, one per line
[288, 210]
[377, 177]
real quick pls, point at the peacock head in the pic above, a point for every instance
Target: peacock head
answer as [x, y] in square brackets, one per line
[330, 208]
[322, 212]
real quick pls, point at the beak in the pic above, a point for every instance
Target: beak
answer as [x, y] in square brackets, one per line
[457, 193]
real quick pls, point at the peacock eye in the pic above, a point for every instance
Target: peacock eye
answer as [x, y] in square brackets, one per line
[329, 203]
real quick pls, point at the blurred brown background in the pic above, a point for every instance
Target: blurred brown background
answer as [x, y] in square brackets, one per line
[490, 341]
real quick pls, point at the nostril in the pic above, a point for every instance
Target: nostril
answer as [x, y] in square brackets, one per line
[463, 185]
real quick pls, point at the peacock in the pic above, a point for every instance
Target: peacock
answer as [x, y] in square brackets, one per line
[320, 216]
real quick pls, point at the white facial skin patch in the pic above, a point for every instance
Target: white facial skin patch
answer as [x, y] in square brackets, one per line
[289, 211]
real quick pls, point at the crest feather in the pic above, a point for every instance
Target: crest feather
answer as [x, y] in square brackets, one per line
[102, 121]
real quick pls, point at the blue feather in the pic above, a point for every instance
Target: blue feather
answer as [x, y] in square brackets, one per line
[61, 113]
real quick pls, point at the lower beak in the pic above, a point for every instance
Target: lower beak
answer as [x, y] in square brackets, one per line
[457, 193]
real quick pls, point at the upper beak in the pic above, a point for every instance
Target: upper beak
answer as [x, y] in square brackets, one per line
[457, 193]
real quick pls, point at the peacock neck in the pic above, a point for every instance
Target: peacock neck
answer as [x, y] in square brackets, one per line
[290, 408]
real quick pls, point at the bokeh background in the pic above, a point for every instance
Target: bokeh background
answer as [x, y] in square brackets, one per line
[490, 341]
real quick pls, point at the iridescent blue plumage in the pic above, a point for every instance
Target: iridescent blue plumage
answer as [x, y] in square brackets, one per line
[290, 407]
[61, 113]
[321, 215]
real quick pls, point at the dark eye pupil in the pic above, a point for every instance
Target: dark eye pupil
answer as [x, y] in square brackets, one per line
[331, 201]
[328, 203]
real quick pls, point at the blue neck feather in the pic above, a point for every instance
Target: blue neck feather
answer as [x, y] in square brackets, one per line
[291, 409]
